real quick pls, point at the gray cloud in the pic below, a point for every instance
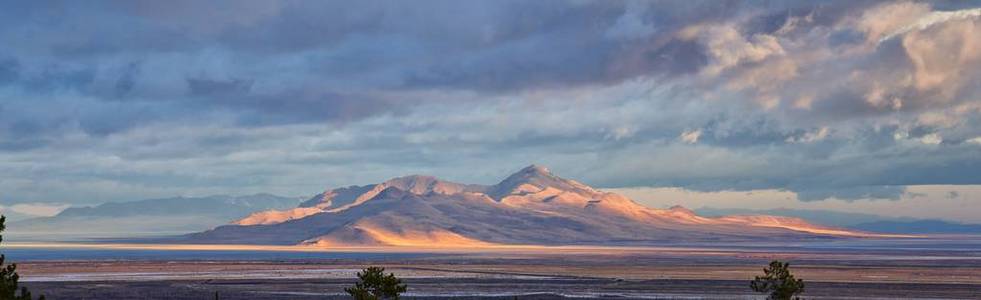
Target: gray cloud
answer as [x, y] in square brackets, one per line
[853, 192]
[9, 71]
[201, 87]
[139, 99]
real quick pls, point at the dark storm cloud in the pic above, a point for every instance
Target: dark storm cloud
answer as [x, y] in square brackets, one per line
[708, 95]
[485, 46]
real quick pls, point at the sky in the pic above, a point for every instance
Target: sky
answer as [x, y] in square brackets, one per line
[848, 105]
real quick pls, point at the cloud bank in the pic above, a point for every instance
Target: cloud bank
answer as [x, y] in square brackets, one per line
[131, 100]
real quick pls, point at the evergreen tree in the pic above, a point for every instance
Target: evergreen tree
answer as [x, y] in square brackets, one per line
[9, 277]
[373, 284]
[778, 282]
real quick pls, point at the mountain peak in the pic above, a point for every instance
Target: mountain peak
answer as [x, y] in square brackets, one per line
[534, 177]
[536, 169]
[533, 172]
[682, 210]
[412, 182]
[424, 184]
[414, 177]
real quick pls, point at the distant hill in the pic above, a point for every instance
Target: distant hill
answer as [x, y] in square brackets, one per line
[13, 216]
[857, 221]
[823, 217]
[532, 206]
[920, 226]
[165, 216]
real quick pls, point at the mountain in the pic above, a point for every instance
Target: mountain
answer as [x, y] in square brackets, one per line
[341, 198]
[13, 216]
[532, 206]
[148, 217]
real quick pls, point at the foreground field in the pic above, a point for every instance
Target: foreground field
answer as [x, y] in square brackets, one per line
[886, 270]
[485, 288]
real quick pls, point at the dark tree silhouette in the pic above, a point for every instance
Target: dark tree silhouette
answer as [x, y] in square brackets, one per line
[9, 277]
[373, 284]
[778, 282]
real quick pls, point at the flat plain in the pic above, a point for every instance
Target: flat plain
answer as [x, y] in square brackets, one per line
[909, 269]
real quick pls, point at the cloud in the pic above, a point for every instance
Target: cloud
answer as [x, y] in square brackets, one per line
[852, 193]
[889, 19]
[941, 55]
[727, 47]
[210, 87]
[934, 18]
[827, 101]
[690, 136]
[810, 136]
[9, 70]
[631, 24]
[932, 139]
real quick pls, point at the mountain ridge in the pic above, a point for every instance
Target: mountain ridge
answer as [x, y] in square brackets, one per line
[531, 206]
[857, 221]
[159, 216]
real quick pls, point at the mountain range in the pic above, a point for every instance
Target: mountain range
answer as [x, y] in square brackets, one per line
[150, 217]
[532, 206]
[14, 216]
[857, 221]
